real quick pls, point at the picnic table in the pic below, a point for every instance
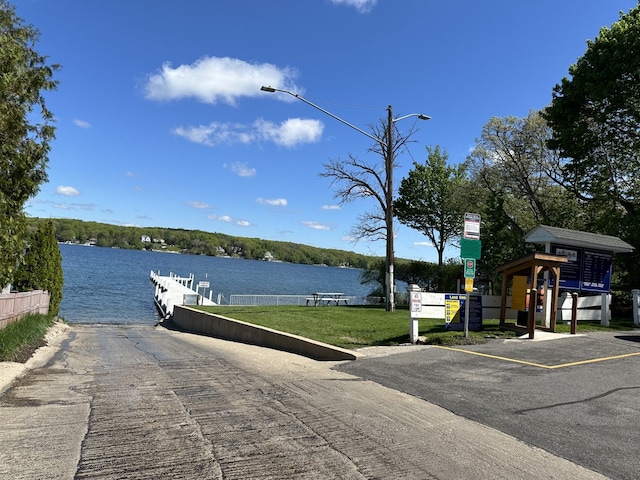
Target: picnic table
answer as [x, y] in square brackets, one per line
[326, 298]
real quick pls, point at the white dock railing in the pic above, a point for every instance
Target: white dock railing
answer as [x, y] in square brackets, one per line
[276, 300]
[175, 290]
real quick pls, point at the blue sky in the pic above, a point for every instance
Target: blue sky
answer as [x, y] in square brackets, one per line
[161, 121]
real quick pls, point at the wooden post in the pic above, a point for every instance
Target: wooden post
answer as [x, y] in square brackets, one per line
[531, 320]
[574, 312]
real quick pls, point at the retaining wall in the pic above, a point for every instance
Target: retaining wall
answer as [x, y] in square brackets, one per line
[214, 325]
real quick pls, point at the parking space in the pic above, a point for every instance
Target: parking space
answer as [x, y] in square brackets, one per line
[560, 350]
[574, 396]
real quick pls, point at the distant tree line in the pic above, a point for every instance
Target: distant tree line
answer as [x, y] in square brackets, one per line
[197, 242]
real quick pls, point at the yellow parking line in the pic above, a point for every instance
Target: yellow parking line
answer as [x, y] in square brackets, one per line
[492, 356]
[550, 367]
[594, 360]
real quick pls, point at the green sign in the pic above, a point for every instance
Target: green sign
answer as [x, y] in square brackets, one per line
[469, 267]
[470, 248]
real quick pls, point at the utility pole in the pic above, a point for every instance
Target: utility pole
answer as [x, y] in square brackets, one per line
[390, 257]
[386, 144]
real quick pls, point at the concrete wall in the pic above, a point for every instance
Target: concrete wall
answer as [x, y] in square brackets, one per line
[196, 321]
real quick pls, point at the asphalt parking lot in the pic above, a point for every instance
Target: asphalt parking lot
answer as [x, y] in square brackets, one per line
[576, 396]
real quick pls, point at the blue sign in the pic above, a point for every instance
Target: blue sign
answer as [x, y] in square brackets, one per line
[455, 310]
[587, 270]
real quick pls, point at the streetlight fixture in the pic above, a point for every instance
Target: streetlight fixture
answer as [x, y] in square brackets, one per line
[387, 150]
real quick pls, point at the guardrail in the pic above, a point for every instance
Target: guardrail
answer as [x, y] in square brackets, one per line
[14, 306]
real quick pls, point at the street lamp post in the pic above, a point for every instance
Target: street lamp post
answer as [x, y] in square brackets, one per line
[387, 150]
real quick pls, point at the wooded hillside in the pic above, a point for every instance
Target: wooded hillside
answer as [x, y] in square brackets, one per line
[198, 242]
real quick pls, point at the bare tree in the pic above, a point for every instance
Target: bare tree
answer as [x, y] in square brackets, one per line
[372, 178]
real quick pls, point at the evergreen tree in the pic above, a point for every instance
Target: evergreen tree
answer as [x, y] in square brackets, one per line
[41, 268]
[26, 131]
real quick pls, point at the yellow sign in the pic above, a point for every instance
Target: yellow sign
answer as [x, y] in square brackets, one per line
[468, 284]
[519, 293]
[451, 308]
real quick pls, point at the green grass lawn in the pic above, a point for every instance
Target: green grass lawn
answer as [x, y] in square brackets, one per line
[20, 339]
[353, 326]
[360, 326]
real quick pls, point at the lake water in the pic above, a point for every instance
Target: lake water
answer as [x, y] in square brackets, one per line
[109, 285]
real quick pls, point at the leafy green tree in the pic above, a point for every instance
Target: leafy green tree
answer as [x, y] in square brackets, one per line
[41, 268]
[374, 275]
[26, 130]
[517, 186]
[595, 117]
[430, 200]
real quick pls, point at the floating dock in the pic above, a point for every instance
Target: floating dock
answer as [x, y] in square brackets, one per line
[175, 290]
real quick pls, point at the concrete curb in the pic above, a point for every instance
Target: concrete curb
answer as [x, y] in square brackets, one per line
[218, 326]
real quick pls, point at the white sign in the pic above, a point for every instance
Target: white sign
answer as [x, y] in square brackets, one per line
[472, 226]
[203, 284]
[416, 302]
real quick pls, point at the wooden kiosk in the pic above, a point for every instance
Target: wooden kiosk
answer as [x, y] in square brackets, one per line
[531, 266]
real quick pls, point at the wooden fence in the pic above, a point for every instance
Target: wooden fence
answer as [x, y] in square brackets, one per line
[14, 306]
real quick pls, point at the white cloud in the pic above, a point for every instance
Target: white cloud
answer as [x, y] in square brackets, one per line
[81, 123]
[363, 6]
[291, 132]
[217, 133]
[241, 169]
[424, 244]
[316, 226]
[201, 205]
[75, 206]
[331, 207]
[67, 191]
[275, 202]
[217, 79]
[222, 218]
[228, 219]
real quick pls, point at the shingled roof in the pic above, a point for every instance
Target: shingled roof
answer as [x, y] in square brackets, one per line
[576, 238]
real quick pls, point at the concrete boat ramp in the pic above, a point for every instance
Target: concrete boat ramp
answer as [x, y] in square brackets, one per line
[174, 290]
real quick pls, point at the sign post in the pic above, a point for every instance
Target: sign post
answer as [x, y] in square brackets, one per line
[470, 250]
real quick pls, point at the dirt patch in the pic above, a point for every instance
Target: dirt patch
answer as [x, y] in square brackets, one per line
[27, 351]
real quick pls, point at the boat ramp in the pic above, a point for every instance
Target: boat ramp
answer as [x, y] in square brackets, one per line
[175, 290]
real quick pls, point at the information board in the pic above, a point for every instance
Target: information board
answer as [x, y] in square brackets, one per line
[587, 269]
[455, 308]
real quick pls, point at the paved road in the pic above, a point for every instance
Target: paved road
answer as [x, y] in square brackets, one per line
[577, 397]
[122, 402]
